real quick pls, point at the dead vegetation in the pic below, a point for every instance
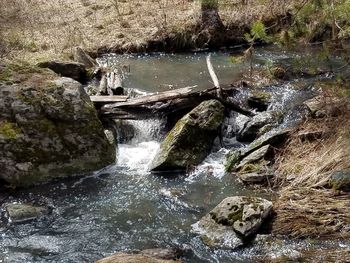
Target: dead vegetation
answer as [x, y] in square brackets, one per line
[51, 29]
[310, 213]
[306, 207]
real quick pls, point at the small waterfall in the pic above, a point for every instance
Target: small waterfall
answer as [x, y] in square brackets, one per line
[139, 141]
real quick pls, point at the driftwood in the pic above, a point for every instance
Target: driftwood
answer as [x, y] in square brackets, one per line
[165, 103]
[108, 99]
[213, 76]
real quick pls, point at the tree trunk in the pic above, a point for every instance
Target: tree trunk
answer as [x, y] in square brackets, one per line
[212, 30]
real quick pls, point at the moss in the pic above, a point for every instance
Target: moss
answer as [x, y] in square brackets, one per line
[9, 130]
[21, 71]
[232, 158]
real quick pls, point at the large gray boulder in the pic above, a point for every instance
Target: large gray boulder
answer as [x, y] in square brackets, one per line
[190, 141]
[232, 222]
[48, 129]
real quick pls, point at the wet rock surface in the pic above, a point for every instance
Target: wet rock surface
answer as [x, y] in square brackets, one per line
[48, 129]
[233, 221]
[189, 142]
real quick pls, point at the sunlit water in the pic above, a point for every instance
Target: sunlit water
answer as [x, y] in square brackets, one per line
[124, 208]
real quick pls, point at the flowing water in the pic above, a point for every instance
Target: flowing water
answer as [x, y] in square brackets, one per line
[125, 208]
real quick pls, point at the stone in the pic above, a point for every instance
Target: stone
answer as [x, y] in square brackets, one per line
[273, 138]
[320, 106]
[49, 129]
[311, 136]
[253, 128]
[255, 156]
[259, 100]
[255, 178]
[340, 180]
[82, 57]
[19, 213]
[74, 70]
[133, 258]
[231, 159]
[162, 253]
[190, 141]
[233, 222]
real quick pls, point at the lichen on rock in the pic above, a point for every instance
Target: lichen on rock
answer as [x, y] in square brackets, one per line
[49, 128]
[189, 142]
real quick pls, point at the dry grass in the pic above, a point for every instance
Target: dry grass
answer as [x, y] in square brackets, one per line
[310, 213]
[306, 208]
[310, 163]
[51, 28]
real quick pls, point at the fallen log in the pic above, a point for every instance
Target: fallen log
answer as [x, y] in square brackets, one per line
[166, 103]
[161, 96]
[108, 99]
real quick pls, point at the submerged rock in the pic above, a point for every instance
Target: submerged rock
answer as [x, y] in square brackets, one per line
[134, 258]
[233, 222]
[340, 180]
[19, 213]
[190, 141]
[69, 69]
[48, 129]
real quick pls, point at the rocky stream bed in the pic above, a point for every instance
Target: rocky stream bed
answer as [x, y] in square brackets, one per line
[215, 206]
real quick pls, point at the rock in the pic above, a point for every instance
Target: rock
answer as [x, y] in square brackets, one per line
[72, 70]
[49, 129]
[255, 156]
[320, 107]
[133, 258]
[340, 180]
[273, 138]
[233, 222]
[259, 100]
[311, 136]
[19, 213]
[190, 141]
[232, 158]
[280, 73]
[255, 178]
[162, 253]
[82, 57]
[253, 128]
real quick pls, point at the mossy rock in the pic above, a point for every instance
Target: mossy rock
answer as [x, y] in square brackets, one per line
[49, 129]
[233, 222]
[232, 158]
[190, 141]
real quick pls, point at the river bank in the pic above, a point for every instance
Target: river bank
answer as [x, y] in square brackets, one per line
[46, 30]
